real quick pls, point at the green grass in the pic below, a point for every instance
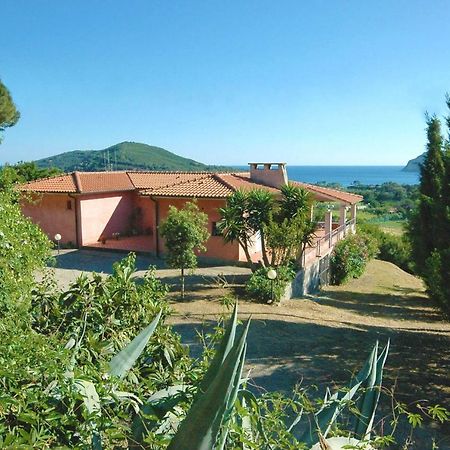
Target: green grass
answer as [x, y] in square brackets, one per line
[396, 227]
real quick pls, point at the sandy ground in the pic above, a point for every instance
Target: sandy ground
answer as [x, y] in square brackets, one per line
[70, 264]
[323, 339]
[320, 340]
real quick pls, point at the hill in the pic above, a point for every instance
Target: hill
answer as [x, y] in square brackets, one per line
[414, 164]
[123, 156]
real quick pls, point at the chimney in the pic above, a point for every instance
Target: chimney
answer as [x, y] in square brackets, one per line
[270, 174]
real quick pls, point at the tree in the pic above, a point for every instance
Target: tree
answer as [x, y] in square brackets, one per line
[290, 229]
[429, 226]
[295, 202]
[185, 233]
[234, 225]
[8, 111]
[260, 204]
[425, 223]
[23, 172]
[283, 225]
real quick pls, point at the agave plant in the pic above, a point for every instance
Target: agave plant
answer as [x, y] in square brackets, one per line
[205, 426]
[367, 381]
[213, 411]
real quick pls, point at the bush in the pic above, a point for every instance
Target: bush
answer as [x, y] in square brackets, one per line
[350, 257]
[23, 249]
[74, 335]
[394, 249]
[261, 288]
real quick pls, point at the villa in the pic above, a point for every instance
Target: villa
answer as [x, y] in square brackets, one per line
[122, 210]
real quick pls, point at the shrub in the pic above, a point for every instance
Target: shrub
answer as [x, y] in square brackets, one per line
[260, 287]
[23, 249]
[394, 249]
[350, 257]
[74, 335]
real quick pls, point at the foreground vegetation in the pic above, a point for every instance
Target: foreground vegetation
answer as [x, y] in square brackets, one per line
[96, 366]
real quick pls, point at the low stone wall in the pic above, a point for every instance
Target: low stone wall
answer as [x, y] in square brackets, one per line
[309, 280]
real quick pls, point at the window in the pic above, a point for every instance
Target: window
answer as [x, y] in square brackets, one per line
[214, 230]
[69, 204]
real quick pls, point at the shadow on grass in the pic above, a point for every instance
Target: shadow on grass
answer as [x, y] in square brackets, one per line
[389, 306]
[282, 354]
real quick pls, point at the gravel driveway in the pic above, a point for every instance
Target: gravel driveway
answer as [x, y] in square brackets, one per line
[70, 264]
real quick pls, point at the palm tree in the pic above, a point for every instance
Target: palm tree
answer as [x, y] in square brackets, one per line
[260, 207]
[234, 225]
[295, 201]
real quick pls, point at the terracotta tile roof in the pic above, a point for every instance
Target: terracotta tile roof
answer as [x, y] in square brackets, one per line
[82, 182]
[90, 182]
[199, 186]
[171, 184]
[242, 181]
[154, 180]
[61, 183]
[324, 193]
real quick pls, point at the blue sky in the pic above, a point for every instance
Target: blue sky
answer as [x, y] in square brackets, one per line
[321, 82]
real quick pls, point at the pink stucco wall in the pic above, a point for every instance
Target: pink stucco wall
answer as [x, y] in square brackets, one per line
[216, 247]
[51, 212]
[104, 214]
[148, 218]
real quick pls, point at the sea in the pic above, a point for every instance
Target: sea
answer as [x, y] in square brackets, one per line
[351, 175]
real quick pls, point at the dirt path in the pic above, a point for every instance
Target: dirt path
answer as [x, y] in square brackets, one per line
[322, 340]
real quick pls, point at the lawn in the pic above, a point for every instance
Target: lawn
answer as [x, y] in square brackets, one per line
[318, 340]
[323, 339]
[396, 227]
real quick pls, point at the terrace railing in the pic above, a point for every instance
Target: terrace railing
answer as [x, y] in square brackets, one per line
[325, 244]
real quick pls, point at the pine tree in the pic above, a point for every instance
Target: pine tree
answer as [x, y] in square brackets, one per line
[429, 228]
[426, 223]
[8, 111]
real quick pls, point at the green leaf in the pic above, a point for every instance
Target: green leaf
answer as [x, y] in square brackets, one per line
[124, 360]
[369, 401]
[91, 402]
[333, 405]
[158, 405]
[202, 426]
[90, 396]
[221, 353]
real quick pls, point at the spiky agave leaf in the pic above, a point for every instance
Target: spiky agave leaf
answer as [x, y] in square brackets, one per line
[124, 360]
[225, 346]
[231, 401]
[200, 430]
[252, 422]
[333, 405]
[368, 403]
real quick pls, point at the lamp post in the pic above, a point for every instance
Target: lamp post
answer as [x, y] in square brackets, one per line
[58, 239]
[271, 275]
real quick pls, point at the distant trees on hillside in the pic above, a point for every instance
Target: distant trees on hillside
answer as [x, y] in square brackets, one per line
[23, 172]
